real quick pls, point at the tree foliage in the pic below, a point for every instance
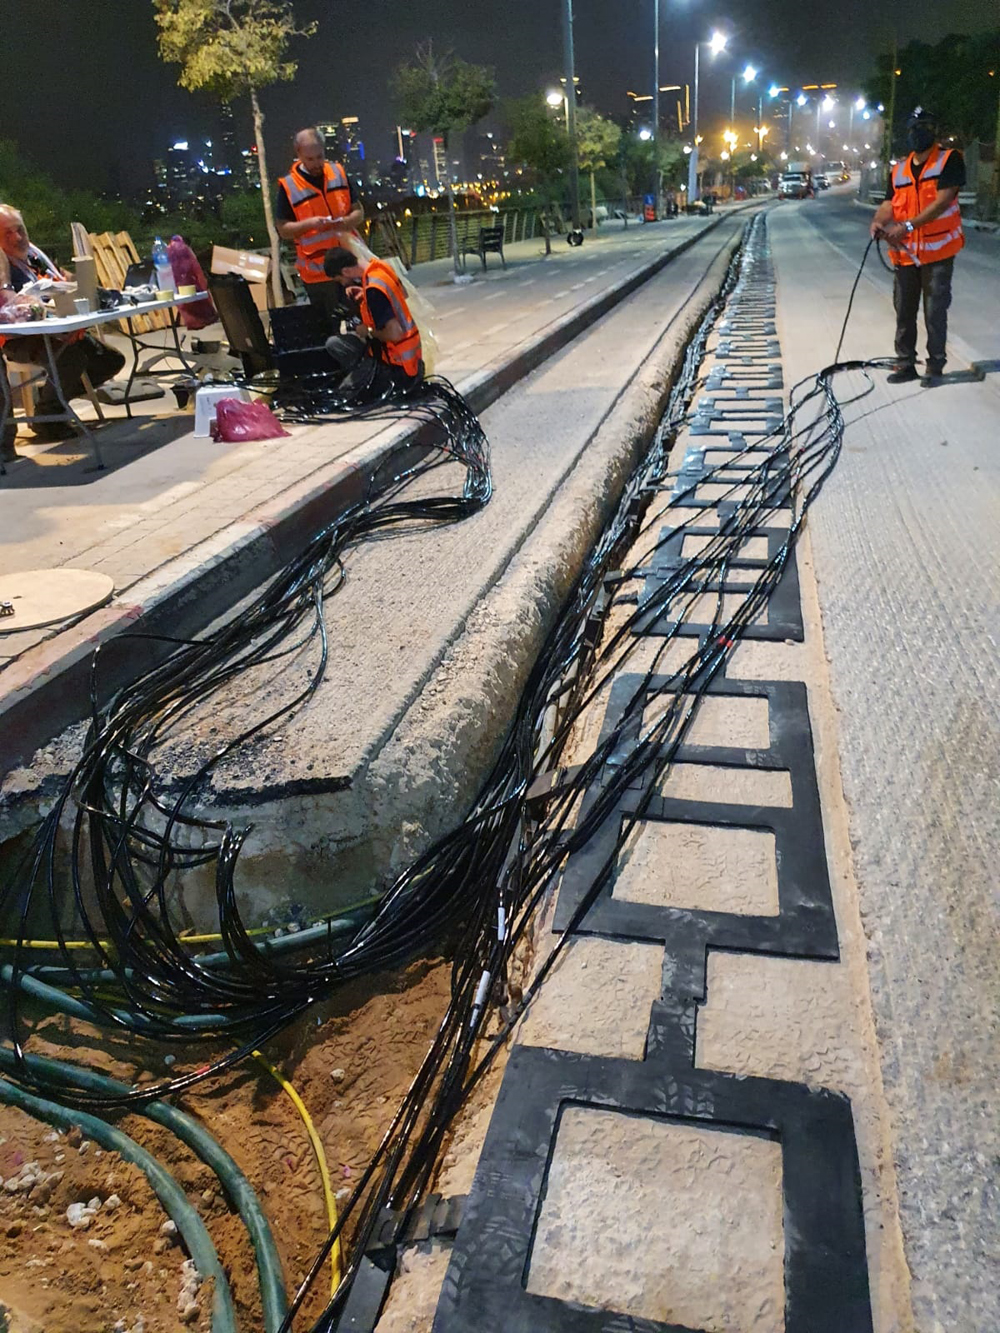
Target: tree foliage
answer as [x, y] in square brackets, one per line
[597, 139]
[438, 92]
[48, 209]
[642, 156]
[228, 47]
[537, 142]
[951, 78]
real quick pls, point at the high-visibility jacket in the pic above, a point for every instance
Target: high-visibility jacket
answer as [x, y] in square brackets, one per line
[939, 239]
[405, 353]
[333, 200]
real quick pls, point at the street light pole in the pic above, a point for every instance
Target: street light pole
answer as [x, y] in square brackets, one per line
[693, 159]
[574, 173]
[656, 105]
[656, 71]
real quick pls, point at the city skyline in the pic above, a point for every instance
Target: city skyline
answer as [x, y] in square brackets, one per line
[132, 116]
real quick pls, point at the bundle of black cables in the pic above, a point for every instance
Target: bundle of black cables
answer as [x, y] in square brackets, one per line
[481, 885]
[128, 839]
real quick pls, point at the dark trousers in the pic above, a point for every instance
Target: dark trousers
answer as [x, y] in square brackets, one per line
[329, 296]
[86, 356]
[932, 284]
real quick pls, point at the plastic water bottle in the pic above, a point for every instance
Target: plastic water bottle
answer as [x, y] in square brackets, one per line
[161, 265]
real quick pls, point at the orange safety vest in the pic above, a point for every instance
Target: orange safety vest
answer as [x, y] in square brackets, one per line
[939, 239]
[407, 352]
[333, 200]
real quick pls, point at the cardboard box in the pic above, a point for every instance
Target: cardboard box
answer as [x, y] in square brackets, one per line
[255, 268]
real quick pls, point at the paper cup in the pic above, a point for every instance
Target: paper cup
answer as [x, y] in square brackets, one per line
[82, 305]
[188, 289]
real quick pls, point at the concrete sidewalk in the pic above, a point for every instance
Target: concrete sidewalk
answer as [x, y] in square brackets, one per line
[907, 562]
[174, 519]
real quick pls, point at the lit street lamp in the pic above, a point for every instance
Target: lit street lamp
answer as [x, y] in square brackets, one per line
[716, 43]
[555, 99]
[749, 74]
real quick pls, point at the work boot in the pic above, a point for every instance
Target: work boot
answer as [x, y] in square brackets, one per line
[902, 375]
[933, 376]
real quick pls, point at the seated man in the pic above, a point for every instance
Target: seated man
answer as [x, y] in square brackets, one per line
[78, 354]
[395, 338]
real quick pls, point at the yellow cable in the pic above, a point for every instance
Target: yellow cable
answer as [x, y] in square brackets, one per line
[183, 939]
[314, 1139]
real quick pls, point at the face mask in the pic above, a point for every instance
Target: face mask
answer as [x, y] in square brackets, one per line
[919, 138]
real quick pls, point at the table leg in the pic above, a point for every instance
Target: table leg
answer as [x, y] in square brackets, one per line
[174, 312]
[64, 401]
[6, 411]
[133, 339]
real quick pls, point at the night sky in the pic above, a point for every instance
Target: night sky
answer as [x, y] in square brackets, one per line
[86, 96]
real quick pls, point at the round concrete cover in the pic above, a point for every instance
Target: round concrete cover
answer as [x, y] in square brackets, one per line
[46, 596]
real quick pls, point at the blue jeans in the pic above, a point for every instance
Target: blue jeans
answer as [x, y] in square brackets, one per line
[932, 283]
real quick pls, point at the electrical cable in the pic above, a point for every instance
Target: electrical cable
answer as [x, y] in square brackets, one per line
[317, 1146]
[473, 893]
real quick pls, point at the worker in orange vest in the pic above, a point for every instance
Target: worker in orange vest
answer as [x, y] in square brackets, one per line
[384, 313]
[316, 207]
[920, 219]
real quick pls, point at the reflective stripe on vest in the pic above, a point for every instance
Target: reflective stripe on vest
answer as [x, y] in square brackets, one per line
[407, 352]
[943, 236]
[334, 200]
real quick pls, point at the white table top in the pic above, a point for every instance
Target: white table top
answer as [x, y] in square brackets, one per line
[55, 325]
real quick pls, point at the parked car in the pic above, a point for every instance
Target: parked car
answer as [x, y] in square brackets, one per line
[793, 185]
[821, 181]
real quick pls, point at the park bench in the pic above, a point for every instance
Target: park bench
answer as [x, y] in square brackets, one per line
[489, 241]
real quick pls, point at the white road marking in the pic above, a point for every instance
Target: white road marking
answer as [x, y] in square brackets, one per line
[487, 333]
[495, 297]
[457, 310]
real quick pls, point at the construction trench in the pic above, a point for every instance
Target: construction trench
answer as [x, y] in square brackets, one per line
[629, 983]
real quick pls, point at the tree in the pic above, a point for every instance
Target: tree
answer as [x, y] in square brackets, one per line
[540, 144]
[234, 48]
[48, 209]
[952, 79]
[445, 95]
[641, 157]
[597, 142]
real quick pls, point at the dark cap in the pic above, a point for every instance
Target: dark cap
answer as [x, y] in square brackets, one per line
[920, 115]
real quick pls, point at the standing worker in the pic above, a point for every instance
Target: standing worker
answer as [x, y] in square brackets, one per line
[384, 312]
[317, 208]
[920, 219]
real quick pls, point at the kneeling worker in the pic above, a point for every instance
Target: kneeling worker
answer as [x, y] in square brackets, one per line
[384, 313]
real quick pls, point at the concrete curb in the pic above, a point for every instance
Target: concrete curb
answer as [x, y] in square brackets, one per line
[447, 740]
[43, 689]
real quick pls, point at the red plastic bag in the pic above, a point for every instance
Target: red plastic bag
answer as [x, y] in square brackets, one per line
[189, 273]
[236, 421]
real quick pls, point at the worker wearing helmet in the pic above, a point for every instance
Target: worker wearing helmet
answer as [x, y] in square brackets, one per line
[921, 221]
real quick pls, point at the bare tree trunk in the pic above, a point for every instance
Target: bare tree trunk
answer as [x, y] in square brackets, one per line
[545, 230]
[452, 225]
[265, 191]
[593, 203]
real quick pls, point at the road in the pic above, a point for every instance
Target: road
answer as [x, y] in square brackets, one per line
[905, 548]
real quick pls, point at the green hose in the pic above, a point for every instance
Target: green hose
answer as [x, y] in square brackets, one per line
[189, 1131]
[171, 1196]
[67, 1004]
